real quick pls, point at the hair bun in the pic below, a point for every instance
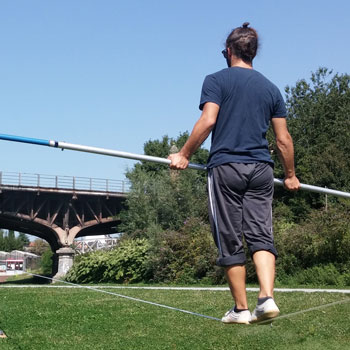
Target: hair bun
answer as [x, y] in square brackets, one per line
[245, 25]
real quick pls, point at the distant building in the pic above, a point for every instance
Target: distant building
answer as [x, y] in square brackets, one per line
[17, 262]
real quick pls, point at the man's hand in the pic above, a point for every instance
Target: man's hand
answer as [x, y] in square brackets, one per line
[291, 183]
[178, 161]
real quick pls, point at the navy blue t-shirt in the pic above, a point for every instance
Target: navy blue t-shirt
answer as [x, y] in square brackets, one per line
[247, 103]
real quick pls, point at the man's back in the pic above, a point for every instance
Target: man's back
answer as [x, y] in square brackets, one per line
[247, 102]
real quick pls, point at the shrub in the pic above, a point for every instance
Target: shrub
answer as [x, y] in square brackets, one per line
[322, 239]
[327, 275]
[88, 268]
[184, 256]
[126, 263]
[322, 275]
[46, 262]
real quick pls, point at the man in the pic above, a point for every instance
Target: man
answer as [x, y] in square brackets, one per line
[238, 104]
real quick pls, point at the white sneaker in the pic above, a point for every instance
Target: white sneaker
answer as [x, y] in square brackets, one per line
[265, 311]
[2, 334]
[237, 317]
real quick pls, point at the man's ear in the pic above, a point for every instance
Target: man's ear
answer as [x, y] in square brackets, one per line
[229, 55]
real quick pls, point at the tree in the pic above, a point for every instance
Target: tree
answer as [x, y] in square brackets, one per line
[9, 241]
[319, 122]
[1, 240]
[39, 246]
[161, 198]
[12, 243]
[23, 240]
[46, 261]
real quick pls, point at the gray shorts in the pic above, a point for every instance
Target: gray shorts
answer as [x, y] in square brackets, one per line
[240, 204]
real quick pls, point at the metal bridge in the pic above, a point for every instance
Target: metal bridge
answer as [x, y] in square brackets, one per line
[62, 184]
[60, 208]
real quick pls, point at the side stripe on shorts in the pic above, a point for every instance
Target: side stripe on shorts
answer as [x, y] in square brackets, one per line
[212, 204]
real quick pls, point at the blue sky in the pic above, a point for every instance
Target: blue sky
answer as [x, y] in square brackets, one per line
[116, 74]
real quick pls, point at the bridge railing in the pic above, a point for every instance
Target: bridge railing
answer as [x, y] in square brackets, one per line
[90, 245]
[63, 182]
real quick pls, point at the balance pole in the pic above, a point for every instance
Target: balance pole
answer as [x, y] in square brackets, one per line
[142, 157]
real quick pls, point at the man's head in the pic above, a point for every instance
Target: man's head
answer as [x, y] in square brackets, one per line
[242, 43]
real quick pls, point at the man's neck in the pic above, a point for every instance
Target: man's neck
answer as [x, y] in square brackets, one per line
[237, 62]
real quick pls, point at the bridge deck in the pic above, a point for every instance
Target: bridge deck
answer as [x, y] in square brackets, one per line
[63, 184]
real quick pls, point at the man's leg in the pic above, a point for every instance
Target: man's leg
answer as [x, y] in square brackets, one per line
[266, 307]
[226, 187]
[236, 276]
[257, 228]
[265, 269]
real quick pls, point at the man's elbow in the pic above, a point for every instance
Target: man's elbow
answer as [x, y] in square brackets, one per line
[284, 141]
[208, 122]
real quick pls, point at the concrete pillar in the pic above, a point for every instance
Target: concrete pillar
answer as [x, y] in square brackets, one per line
[65, 258]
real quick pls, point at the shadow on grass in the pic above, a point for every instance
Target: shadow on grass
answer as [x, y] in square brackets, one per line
[18, 280]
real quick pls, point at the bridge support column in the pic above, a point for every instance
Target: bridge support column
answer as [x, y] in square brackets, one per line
[65, 258]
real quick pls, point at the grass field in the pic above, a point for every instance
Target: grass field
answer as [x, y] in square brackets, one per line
[67, 318]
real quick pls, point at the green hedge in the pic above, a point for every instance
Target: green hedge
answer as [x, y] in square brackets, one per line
[127, 263]
[322, 275]
[184, 256]
[313, 252]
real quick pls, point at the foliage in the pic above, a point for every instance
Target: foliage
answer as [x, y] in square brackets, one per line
[162, 148]
[23, 239]
[321, 241]
[184, 256]
[319, 122]
[125, 263]
[9, 241]
[321, 275]
[38, 247]
[162, 197]
[46, 262]
[324, 237]
[169, 208]
[128, 264]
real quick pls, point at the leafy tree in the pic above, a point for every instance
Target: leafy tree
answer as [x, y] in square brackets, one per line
[9, 241]
[161, 198]
[23, 240]
[162, 148]
[319, 122]
[46, 262]
[1, 240]
[38, 247]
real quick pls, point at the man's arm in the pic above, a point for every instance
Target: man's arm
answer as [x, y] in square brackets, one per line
[285, 150]
[200, 132]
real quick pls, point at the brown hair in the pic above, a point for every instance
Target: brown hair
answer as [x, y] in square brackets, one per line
[243, 42]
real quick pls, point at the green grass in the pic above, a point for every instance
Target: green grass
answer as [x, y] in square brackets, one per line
[62, 318]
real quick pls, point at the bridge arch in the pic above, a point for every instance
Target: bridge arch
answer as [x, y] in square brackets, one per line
[58, 214]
